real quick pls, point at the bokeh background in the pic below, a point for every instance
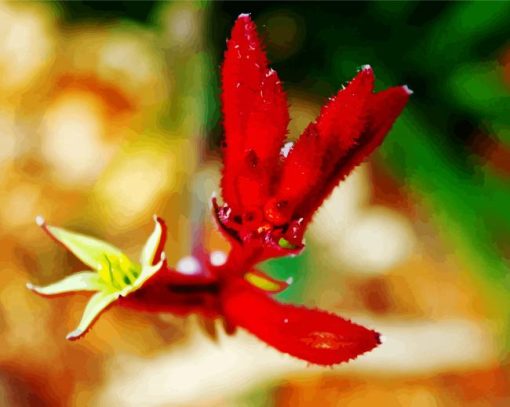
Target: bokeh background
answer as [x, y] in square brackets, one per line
[109, 112]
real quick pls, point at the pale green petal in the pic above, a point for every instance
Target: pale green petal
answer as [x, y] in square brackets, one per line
[149, 250]
[89, 250]
[146, 273]
[97, 304]
[82, 281]
[117, 273]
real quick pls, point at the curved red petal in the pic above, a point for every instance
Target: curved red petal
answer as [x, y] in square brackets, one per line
[309, 334]
[300, 173]
[255, 119]
[315, 154]
[382, 111]
[343, 119]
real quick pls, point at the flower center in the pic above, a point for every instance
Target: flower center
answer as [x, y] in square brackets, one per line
[118, 273]
[277, 211]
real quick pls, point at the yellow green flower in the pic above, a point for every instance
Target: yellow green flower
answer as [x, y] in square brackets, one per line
[112, 274]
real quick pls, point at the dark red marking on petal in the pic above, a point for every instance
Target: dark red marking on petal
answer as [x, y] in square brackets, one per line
[309, 334]
[176, 293]
[255, 119]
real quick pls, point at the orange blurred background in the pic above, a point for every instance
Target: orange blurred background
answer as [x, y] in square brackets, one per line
[105, 121]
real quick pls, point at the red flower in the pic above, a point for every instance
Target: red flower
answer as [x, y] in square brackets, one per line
[270, 198]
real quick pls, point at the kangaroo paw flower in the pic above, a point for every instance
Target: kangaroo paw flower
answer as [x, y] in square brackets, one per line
[271, 190]
[113, 274]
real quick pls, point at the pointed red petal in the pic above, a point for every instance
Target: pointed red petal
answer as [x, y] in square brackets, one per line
[342, 120]
[322, 145]
[308, 334]
[383, 109]
[301, 172]
[255, 118]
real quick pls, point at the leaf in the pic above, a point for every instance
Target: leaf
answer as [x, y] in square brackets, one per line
[96, 305]
[82, 281]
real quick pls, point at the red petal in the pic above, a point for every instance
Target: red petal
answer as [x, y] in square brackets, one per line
[301, 171]
[322, 145]
[342, 120]
[255, 119]
[176, 293]
[383, 109]
[309, 334]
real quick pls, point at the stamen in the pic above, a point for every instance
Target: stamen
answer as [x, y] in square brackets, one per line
[110, 271]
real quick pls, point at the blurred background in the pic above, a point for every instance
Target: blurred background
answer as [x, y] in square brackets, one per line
[109, 112]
